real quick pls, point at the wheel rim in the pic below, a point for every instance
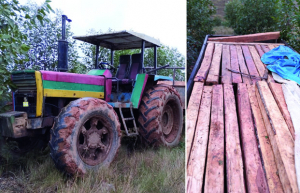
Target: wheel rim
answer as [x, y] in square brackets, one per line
[167, 120]
[94, 141]
[170, 120]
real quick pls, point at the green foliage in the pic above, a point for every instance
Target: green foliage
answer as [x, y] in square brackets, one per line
[199, 24]
[251, 16]
[12, 40]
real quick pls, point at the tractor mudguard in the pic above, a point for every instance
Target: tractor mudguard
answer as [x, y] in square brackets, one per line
[13, 124]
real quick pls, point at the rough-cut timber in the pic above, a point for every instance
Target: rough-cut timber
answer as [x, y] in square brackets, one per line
[205, 65]
[271, 46]
[250, 64]
[214, 175]
[226, 74]
[257, 61]
[265, 145]
[279, 97]
[214, 72]
[255, 177]
[196, 164]
[280, 137]
[265, 48]
[234, 161]
[259, 50]
[248, 38]
[191, 115]
[245, 43]
[236, 78]
[242, 64]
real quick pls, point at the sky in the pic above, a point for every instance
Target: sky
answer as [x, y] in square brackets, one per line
[162, 19]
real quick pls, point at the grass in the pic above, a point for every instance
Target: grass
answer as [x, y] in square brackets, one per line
[143, 170]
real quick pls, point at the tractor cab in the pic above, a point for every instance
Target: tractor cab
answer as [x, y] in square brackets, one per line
[127, 82]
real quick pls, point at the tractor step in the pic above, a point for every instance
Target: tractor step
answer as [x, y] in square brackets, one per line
[134, 131]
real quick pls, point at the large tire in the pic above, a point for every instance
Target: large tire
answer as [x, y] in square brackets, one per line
[85, 136]
[161, 116]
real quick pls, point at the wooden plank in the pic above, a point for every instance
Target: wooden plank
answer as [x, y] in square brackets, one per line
[268, 158]
[271, 47]
[205, 65]
[279, 97]
[226, 74]
[257, 61]
[270, 78]
[250, 64]
[214, 175]
[234, 63]
[214, 72]
[259, 50]
[244, 43]
[242, 65]
[265, 48]
[280, 137]
[248, 38]
[234, 161]
[191, 115]
[255, 177]
[196, 164]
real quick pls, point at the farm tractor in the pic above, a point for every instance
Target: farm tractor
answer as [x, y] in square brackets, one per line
[84, 116]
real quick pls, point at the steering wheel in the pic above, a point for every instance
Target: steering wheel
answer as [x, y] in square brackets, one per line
[101, 65]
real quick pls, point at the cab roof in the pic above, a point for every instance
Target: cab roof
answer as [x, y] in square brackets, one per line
[120, 40]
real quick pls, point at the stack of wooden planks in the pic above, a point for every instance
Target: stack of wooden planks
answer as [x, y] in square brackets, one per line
[240, 136]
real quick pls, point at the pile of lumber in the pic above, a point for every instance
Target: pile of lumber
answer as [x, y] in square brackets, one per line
[240, 136]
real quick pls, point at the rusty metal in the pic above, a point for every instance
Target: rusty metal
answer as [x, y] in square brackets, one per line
[251, 76]
[135, 130]
[13, 124]
[167, 120]
[94, 142]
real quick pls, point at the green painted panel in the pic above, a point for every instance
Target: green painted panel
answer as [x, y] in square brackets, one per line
[71, 86]
[137, 90]
[96, 72]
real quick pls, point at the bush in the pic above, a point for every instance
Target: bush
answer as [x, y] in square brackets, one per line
[199, 24]
[251, 16]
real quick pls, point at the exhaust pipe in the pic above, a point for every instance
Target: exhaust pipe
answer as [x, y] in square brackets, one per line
[63, 47]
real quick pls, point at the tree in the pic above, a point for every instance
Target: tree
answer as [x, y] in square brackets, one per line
[251, 16]
[12, 39]
[199, 24]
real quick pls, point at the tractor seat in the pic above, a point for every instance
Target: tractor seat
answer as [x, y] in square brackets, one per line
[123, 67]
[133, 71]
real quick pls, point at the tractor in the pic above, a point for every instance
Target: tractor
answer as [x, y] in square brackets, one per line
[82, 117]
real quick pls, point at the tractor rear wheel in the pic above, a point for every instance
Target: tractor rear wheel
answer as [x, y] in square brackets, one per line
[85, 136]
[161, 116]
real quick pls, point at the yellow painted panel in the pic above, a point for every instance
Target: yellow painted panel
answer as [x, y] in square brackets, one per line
[72, 93]
[39, 93]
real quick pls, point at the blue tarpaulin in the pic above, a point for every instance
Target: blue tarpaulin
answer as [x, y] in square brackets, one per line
[283, 61]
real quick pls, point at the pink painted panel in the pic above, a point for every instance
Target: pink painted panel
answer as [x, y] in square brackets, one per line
[108, 85]
[72, 77]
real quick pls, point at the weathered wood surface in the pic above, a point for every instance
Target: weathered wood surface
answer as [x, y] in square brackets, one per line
[214, 71]
[250, 64]
[292, 97]
[270, 78]
[245, 43]
[248, 38]
[259, 50]
[257, 61]
[255, 177]
[226, 74]
[280, 137]
[192, 114]
[234, 161]
[205, 65]
[196, 164]
[242, 65]
[234, 63]
[279, 97]
[214, 175]
[268, 158]
[265, 48]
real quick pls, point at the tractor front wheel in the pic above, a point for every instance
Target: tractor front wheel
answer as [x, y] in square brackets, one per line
[161, 116]
[85, 136]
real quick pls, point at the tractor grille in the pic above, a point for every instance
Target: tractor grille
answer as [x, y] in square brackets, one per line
[26, 87]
